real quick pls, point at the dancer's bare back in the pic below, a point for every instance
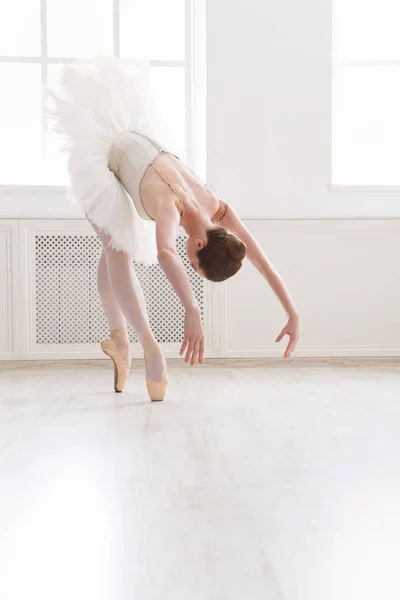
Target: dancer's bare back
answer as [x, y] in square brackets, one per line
[167, 181]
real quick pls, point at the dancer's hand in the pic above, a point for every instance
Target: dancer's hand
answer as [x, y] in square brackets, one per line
[292, 330]
[193, 341]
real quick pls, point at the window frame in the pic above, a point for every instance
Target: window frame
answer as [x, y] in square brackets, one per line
[337, 63]
[192, 11]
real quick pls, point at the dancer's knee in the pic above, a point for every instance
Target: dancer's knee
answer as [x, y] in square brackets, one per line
[120, 267]
[118, 260]
[102, 264]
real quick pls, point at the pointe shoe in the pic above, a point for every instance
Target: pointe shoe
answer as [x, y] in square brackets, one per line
[156, 389]
[121, 371]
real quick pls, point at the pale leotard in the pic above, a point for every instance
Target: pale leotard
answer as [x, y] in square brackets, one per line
[130, 156]
[144, 167]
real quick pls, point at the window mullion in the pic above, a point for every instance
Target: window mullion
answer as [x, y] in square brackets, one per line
[44, 70]
[365, 63]
[68, 59]
[116, 28]
[45, 61]
[189, 80]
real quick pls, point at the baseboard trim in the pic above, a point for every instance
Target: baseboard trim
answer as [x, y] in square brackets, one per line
[323, 352]
[316, 352]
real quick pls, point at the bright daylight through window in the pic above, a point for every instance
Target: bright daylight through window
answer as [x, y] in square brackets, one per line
[38, 36]
[366, 92]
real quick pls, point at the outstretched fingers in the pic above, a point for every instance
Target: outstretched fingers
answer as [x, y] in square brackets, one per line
[280, 336]
[290, 347]
[193, 350]
[184, 345]
[201, 352]
[189, 351]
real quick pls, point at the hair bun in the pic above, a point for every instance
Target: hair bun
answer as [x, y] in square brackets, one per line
[236, 248]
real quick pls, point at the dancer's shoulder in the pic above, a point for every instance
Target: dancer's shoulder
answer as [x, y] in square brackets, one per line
[221, 212]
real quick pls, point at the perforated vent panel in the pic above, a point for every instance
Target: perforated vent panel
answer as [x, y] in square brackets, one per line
[68, 308]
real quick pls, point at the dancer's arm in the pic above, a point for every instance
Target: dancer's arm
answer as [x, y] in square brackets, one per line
[255, 254]
[175, 271]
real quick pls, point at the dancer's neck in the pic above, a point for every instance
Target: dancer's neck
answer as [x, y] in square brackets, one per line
[196, 222]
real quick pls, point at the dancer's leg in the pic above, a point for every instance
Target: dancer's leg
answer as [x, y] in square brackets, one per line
[129, 296]
[114, 315]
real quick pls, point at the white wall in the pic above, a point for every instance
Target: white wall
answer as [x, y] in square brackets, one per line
[269, 78]
[9, 289]
[339, 274]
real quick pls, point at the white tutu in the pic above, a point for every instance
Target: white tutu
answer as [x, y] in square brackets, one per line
[96, 103]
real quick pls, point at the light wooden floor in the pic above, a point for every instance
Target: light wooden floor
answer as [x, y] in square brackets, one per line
[252, 481]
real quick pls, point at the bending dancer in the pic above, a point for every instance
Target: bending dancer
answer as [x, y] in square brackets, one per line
[123, 179]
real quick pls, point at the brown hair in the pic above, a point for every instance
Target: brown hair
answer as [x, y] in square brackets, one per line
[223, 255]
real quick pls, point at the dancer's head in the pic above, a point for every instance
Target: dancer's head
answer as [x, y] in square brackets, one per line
[216, 256]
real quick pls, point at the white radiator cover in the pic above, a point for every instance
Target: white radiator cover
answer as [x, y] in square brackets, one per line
[61, 314]
[68, 308]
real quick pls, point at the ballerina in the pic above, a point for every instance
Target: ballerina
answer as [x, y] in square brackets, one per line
[135, 194]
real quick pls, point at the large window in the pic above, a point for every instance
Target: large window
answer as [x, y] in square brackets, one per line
[366, 92]
[38, 36]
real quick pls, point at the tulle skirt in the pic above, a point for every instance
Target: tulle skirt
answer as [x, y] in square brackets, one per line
[94, 104]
